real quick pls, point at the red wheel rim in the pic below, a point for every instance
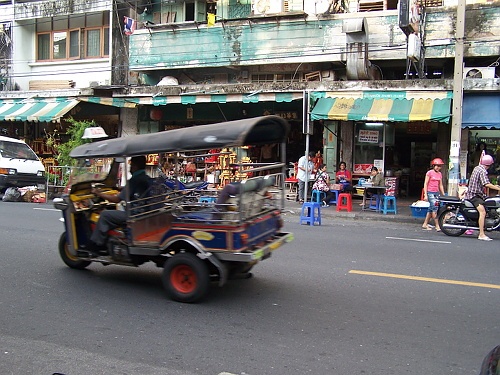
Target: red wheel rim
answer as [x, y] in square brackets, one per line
[183, 278]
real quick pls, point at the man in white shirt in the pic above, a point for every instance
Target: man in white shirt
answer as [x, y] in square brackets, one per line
[305, 163]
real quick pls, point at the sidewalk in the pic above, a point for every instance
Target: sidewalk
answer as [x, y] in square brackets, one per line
[404, 214]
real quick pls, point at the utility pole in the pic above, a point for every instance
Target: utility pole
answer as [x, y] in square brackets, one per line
[456, 119]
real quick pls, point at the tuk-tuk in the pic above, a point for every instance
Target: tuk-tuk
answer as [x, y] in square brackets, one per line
[196, 235]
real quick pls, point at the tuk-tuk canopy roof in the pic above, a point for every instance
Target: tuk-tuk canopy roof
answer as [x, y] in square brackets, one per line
[246, 132]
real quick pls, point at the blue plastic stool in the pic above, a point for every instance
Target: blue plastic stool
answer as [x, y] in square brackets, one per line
[334, 200]
[388, 204]
[317, 196]
[207, 199]
[311, 213]
[375, 203]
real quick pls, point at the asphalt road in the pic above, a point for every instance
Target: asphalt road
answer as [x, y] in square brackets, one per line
[345, 298]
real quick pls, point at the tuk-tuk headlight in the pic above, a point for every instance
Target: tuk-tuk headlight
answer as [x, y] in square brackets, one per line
[40, 173]
[7, 171]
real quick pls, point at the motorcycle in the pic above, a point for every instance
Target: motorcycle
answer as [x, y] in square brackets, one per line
[175, 184]
[456, 216]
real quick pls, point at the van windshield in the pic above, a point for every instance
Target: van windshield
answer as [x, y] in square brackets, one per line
[16, 150]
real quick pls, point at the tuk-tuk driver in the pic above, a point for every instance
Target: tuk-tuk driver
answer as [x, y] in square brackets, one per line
[139, 183]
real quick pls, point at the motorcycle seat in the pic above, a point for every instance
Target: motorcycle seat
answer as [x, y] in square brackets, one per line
[449, 199]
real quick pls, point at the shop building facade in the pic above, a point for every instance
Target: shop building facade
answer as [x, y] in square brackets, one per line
[190, 63]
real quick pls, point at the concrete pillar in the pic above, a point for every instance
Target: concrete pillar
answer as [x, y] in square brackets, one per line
[129, 119]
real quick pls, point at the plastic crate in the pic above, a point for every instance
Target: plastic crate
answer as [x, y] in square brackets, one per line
[418, 211]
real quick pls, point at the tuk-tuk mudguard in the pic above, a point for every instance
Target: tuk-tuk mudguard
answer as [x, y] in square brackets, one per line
[193, 244]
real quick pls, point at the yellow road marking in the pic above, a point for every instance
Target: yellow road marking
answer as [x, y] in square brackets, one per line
[429, 279]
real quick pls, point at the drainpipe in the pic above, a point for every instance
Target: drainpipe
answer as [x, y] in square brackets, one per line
[456, 120]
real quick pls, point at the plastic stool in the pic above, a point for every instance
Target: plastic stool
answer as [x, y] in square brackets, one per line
[334, 200]
[207, 199]
[375, 202]
[344, 202]
[311, 213]
[388, 204]
[317, 196]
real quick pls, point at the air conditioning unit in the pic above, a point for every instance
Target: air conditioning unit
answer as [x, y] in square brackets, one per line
[414, 46]
[479, 72]
[263, 7]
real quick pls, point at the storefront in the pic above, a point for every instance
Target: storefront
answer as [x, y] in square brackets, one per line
[481, 117]
[41, 122]
[164, 112]
[397, 131]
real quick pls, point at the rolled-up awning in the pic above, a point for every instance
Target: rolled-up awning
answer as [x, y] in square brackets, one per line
[481, 111]
[194, 98]
[401, 106]
[45, 110]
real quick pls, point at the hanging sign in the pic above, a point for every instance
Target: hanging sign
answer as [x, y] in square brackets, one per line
[368, 136]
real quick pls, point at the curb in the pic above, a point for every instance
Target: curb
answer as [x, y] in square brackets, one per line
[404, 214]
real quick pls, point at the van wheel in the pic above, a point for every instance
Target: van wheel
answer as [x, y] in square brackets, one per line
[185, 278]
[69, 259]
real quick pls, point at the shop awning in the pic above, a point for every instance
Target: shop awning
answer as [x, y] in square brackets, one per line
[402, 106]
[481, 111]
[35, 110]
[194, 98]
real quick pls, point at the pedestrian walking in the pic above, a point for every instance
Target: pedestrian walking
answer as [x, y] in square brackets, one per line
[433, 185]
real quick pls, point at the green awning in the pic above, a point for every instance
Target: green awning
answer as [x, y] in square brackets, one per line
[195, 98]
[400, 106]
[45, 110]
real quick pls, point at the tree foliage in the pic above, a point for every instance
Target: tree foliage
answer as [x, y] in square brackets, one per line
[75, 131]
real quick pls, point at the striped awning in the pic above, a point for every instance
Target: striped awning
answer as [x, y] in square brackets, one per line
[194, 98]
[44, 110]
[400, 106]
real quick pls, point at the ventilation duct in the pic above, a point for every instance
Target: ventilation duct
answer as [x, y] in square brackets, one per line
[357, 64]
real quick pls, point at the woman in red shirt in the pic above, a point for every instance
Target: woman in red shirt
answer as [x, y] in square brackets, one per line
[344, 177]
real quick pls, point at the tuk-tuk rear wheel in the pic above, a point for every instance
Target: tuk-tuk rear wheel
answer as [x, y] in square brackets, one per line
[185, 278]
[69, 259]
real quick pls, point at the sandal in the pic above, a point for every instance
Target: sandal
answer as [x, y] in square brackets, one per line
[426, 228]
[485, 238]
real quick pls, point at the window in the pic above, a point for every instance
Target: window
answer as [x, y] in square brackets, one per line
[66, 44]
[59, 43]
[93, 40]
[74, 44]
[70, 37]
[43, 52]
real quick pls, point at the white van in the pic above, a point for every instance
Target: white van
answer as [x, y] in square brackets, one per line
[19, 165]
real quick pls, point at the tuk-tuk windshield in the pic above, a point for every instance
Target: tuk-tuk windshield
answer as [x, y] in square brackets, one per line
[91, 170]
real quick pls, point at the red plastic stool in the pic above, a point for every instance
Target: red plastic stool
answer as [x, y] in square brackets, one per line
[344, 202]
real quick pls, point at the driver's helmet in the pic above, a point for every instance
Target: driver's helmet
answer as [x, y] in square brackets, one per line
[437, 161]
[486, 160]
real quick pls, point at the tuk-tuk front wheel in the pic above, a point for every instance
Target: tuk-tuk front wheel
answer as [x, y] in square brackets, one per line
[69, 259]
[185, 278]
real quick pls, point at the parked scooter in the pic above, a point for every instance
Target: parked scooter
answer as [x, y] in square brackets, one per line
[179, 185]
[456, 215]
